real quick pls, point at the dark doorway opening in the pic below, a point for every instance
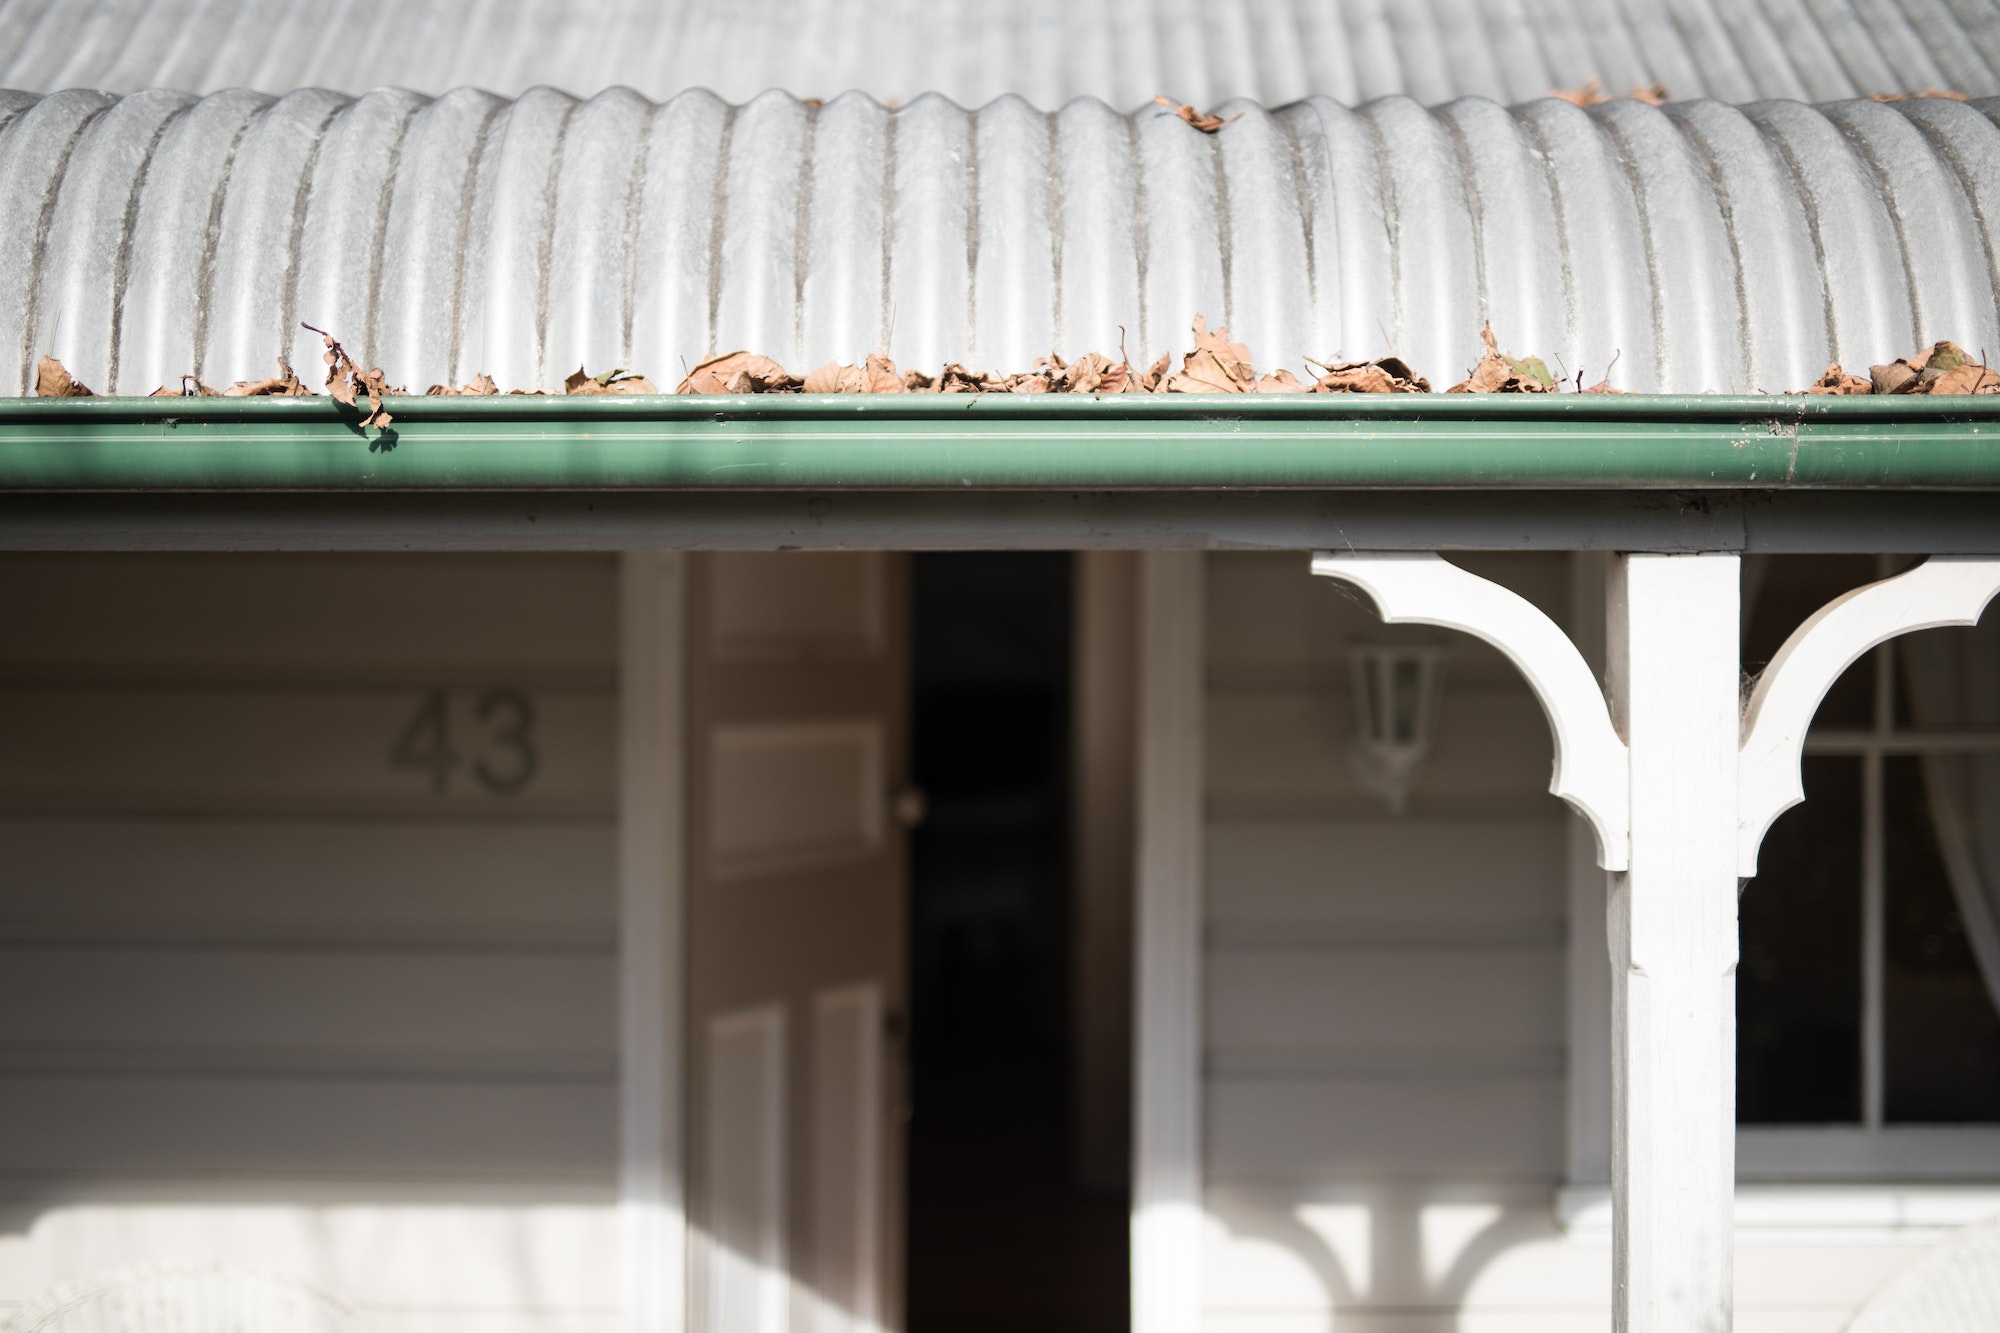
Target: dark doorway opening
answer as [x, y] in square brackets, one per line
[1003, 1232]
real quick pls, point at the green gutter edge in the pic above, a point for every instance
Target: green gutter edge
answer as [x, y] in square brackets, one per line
[1004, 442]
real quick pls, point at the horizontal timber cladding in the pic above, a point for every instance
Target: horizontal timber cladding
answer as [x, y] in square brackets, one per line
[1384, 992]
[1696, 247]
[1125, 53]
[306, 874]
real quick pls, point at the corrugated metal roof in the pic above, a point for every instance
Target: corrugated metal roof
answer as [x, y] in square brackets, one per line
[1049, 51]
[1705, 247]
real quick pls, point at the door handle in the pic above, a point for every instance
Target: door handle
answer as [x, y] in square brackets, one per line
[908, 805]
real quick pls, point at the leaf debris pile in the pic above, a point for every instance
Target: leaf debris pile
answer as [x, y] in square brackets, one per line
[1214, 365]
[1941, 368]
[1499, 373]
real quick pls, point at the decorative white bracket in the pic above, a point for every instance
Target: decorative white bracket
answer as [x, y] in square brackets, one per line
[1944, 590]
[1422, 588]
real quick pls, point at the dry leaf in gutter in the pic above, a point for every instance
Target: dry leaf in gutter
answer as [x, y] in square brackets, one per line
[834, 378]
[1922, 372]
[1206, 122]
[1834, 380]
[738, 372]
[1388, 374]
[611, 381]
[1499, 373]
[1216, 365]
[482, 386]
[52, 381]
[347, 383]
[956, 379]
[1282, 381]
[284, 384]
[879, 375]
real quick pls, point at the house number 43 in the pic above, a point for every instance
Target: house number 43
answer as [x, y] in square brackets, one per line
[504, 760]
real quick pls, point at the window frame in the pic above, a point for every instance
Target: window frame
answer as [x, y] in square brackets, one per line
[1872, 1153]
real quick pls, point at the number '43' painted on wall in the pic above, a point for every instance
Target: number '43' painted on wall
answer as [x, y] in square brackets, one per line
[504, 761]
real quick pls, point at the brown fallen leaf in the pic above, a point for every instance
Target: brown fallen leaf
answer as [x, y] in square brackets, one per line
[284, 384]
[376, 385]
[1834, 380]
[834, 378]
[611, 381]
[954, 378]
[738, 372]
[1499, 373]
[347, 383]
[879, 375]
[1946, 93]
[52, 381]
[1604, 386]
[1592, 93]
[1922, 372]
[1388, 374]
[482, 386]
[1968, 378]
[1216, 365]
[1206, 122]
[1282, 381]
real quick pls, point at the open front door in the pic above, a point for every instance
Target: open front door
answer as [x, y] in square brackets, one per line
[796, 916]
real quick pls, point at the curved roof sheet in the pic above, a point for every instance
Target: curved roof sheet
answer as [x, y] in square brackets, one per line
[1702, 247]
[1049, 51]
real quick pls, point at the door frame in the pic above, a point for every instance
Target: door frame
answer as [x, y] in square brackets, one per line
[652, 841]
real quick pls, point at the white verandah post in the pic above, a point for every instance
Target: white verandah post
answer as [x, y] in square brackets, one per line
[1673, 667]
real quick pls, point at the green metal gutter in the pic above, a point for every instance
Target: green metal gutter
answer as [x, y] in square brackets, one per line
[1002, 442]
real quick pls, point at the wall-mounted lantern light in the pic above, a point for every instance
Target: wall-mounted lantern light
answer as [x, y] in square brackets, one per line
[1395, 712]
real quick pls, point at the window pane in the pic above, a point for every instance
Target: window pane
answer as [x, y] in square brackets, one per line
[1941, 1034]
[1798, 985]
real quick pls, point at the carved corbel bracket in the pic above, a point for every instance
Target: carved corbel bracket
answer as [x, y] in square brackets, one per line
[1944, 590]
[1421, 588]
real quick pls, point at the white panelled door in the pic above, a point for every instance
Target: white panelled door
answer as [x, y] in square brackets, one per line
[796, 930]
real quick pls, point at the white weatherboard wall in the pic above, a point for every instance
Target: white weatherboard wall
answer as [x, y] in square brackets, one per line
[1386, 1001]
[271, 997]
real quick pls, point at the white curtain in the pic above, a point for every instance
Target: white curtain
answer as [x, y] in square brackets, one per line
[1954, 682]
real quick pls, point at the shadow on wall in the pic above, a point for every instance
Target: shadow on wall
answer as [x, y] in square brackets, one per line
[1430, 1256]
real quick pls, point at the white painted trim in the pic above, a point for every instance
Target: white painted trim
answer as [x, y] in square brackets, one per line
[1902, 1153]
[1672, 666]
[651, 870]
[1167, 947]
[1424, 589]
[1944, 590]
[1821, 1214]
[1587, 1142]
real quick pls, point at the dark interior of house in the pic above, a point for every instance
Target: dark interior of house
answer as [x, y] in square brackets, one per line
[1002, 1235]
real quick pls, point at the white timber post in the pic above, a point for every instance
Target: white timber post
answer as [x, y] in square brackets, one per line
[1167, 912]
[651, 804]
[1673, 666]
